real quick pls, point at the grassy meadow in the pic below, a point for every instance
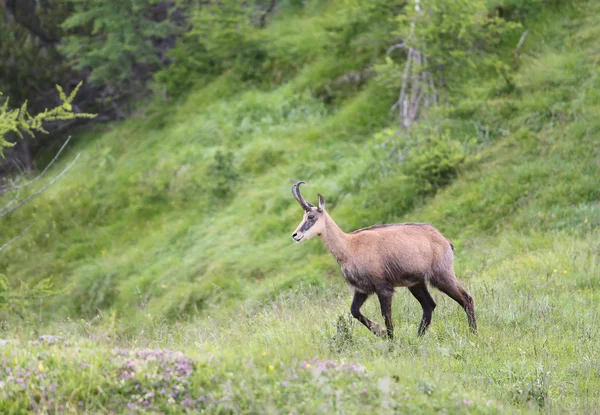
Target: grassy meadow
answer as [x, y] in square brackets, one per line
[159, 274]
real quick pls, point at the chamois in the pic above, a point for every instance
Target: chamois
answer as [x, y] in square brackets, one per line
[379, 258]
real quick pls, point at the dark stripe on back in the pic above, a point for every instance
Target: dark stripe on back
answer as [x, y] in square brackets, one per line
[369, 228]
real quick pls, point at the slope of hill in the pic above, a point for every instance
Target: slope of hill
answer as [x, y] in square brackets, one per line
[174, 232]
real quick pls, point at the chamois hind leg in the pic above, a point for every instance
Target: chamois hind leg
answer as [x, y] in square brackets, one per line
[357, 302]
[421, 293]
[448, 284]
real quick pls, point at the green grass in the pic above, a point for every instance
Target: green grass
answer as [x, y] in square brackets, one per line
[157, 245]
[536, 349]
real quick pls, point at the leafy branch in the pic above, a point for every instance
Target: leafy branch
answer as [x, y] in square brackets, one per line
[20, 121]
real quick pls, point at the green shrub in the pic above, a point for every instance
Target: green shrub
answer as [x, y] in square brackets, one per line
[94, 292]
[21, 300]
[434, 162]
[223, 174]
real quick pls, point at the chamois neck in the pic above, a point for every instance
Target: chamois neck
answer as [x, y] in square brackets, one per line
[335, 239]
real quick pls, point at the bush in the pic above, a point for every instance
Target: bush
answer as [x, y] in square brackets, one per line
[223, 175]
[20, 301]
[435, 162]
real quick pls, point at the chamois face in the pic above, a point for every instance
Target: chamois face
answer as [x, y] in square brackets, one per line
[313, 223]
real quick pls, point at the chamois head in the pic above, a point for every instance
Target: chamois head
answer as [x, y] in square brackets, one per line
[313, 222]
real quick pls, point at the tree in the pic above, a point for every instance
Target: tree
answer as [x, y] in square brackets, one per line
[221, 35]
[121, 41]
[443, 39]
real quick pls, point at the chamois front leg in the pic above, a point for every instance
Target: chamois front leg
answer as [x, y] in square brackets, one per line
[385, 301]
[357, 302]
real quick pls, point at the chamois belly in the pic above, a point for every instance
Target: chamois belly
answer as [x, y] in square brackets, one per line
[358, 279]
[392, 275]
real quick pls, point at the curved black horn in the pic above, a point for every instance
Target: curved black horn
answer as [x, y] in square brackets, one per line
[296, 192]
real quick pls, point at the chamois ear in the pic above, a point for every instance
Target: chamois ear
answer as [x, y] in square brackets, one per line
[321, 202]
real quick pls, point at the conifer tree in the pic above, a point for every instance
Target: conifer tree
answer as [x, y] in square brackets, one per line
[117, 40]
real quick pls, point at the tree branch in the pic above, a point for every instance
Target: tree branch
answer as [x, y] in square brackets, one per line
[396, 46]
[23, 11]
[12, 188]
[520, 44]
[5, 212]
[7, 244]
[263, 17]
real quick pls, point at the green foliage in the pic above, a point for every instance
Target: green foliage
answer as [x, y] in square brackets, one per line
[261, 159]
[136, 232]
[458, 37]
[225, 36]
[19, 121]
[434, 162]
[115, 39]
[362, 29]
[521, 9]
[21, 301]
[28, 64]
[163, 189]
[225, 31]
[222, 37]
[222, 174]
[302, 352]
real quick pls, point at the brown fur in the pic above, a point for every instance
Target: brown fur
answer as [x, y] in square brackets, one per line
[377, 259]
[390, 256]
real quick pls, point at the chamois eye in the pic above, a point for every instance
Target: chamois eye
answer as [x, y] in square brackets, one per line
[311, 217]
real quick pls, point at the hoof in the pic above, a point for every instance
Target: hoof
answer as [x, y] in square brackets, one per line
[378, 330]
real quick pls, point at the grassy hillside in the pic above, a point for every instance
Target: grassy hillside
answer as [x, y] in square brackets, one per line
[173, 232]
